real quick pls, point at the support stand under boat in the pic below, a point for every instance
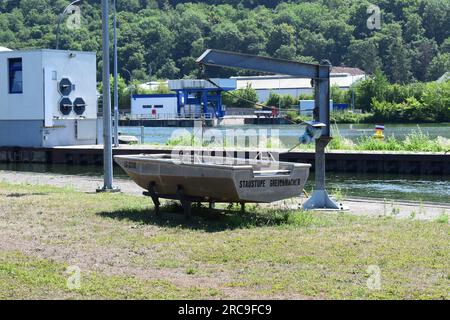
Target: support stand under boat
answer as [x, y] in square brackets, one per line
[186, 202]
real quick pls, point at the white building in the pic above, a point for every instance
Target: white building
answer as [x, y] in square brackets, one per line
[154, 105]
[47, 98]
[343, 77]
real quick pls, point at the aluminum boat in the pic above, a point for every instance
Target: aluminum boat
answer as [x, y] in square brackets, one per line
[216, 179]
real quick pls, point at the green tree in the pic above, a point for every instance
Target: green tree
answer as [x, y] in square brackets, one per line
[363, 54]
[438, 66]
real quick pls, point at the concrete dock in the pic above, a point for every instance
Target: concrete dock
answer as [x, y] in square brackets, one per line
[337, 161]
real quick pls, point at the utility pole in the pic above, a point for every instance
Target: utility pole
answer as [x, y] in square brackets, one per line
[116, 91]
[107, 139]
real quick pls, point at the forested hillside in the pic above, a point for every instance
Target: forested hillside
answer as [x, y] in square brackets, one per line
[163, 37]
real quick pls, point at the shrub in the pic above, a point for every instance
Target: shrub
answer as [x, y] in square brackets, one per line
[350, 117]
[242, 98]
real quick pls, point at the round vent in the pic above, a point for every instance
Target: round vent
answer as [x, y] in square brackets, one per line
[79, 106]
[65, 106]
[65, 87]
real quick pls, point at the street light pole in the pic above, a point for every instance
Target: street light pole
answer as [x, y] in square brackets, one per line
[107, 139]
[60, 20]
[116, 91]
[129, 82]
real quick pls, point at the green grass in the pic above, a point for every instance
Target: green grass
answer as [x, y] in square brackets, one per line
[26, 277]
[341, 117]
[124, 251]
[416, 141]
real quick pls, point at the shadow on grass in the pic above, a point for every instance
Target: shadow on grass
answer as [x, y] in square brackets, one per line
[209, 220]
[21, 195]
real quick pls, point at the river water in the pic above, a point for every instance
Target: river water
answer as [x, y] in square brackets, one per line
[289, 134]
[407, 187]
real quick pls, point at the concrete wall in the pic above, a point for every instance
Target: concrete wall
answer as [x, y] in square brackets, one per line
[169, 103]
[25, 133]
[69, 132]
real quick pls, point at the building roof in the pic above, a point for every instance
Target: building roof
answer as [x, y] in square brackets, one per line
[7, 51]
[342, 80]
[347, 70]
[445, 77]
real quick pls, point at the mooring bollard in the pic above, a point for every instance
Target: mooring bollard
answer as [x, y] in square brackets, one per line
[142, 134]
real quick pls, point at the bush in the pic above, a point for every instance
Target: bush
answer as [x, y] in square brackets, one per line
[411, 110]
[242, 98]
[282, 102]
[350, 117]
[419, 102]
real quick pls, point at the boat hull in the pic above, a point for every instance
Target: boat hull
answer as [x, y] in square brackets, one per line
[217, 179]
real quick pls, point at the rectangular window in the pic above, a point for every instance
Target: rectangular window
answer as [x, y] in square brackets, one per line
[15, 75]
[158, 106]
[147, 106]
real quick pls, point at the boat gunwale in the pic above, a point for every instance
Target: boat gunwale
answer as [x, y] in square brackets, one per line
[154, 158]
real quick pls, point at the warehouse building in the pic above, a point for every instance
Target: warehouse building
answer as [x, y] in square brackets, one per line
[343, 77]
[47, 98]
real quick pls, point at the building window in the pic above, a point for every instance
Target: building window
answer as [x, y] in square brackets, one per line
[159, 106]
[15, 75]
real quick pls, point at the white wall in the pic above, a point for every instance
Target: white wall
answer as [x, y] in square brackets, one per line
[29, 104]
[70, 132]
[169, 104]
[81, 70]
[38, 65]
[34, 115]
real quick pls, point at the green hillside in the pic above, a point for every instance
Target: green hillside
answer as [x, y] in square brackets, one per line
[166, 36]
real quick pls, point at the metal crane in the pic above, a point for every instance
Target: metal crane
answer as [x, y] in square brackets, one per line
[320, 77]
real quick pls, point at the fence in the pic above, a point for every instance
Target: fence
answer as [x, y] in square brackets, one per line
[167, 116]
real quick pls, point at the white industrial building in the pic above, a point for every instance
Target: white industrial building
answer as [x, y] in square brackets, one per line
[154, 105]
[343, 77]
[47, 98]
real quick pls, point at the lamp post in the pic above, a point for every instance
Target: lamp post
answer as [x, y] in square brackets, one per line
[107, 123]
[129, 82]
[116, 90]
[61, 17]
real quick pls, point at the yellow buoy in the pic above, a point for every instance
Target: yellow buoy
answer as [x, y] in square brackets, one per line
[379, 132]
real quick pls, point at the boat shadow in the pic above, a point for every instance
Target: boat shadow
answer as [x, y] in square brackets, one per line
[202, 218]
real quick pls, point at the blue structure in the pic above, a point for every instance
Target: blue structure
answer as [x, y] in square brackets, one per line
[203, 96]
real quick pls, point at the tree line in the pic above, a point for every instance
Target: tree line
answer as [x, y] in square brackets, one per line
[161, 39]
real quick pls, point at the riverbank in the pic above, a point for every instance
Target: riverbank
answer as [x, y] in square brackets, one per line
[381, 162]
[121, 251]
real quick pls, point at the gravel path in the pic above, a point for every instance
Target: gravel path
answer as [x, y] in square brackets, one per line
[372, 207]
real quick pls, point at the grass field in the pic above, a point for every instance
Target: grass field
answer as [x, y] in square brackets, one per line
[122, 251]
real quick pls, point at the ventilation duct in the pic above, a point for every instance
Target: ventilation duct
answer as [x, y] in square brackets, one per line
[79, 106]
[65, 106]
[65, 87]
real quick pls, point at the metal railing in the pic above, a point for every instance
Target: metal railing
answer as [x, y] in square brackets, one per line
[168, 116]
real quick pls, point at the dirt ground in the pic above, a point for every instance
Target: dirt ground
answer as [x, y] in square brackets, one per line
[231, 256]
